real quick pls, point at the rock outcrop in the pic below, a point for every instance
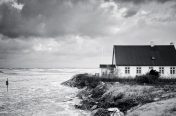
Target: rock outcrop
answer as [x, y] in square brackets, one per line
[118, 99]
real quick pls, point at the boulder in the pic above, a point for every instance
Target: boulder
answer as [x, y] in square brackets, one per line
[94, 107]
[115, 112]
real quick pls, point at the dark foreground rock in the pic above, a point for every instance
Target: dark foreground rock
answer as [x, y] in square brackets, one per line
[98, 96]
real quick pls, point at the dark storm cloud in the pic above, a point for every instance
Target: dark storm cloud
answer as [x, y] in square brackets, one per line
[50, 18]
[9, 20]
[13, 24]
[143, 1]
[37, 18]
[130, 12]
[135, 5]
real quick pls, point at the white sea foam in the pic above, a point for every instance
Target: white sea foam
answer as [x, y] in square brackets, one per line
[37, 92]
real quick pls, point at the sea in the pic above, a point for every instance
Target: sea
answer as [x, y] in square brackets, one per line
[38, 92]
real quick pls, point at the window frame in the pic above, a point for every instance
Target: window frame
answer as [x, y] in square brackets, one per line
[161, 70]
[127, 70]
[172, 70]
[138, 70]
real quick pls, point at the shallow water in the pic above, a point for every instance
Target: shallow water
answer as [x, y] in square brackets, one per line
[37, 92]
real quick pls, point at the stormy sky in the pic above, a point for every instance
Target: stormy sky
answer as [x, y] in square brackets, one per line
[79, 33]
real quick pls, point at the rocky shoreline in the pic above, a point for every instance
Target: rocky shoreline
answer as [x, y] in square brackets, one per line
[105, 98]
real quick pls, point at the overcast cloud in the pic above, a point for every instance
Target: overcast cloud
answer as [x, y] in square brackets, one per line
[79, 33]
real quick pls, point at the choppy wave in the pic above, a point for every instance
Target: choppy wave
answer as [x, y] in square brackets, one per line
[47, 71]
[38, 92]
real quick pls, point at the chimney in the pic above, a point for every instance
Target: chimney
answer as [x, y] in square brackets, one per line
[172, 43]
[152, 44]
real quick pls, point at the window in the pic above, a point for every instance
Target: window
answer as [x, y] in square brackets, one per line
[127, 70]
[138, 70]
[161, 70]
[172, 70]
[150, 67]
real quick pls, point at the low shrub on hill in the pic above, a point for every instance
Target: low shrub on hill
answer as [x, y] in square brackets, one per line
[83, 80]
[149, 78]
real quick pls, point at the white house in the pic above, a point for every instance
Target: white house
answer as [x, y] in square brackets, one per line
[132, 60]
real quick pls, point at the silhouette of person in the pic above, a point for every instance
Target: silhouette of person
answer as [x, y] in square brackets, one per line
[7, 84]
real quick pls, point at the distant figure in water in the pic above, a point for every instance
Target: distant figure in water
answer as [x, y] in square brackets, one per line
[7, 84]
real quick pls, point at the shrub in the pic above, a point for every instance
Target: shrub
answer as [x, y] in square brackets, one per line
[99, 90]
[85, 80]
[82, 80]
[149, 78]
[154, 73]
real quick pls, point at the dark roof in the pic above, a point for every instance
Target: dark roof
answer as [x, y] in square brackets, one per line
[107, 66]
[160, 55]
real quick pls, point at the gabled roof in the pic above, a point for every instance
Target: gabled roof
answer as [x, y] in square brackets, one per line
[143, 55]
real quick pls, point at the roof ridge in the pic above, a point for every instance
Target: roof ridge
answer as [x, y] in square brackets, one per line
[142, 45]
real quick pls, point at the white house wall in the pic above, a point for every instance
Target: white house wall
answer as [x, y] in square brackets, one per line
[104, 71]
[120, 71]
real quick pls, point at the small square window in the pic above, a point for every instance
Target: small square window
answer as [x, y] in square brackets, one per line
[127, 70]
[161, 70]
[138, 70]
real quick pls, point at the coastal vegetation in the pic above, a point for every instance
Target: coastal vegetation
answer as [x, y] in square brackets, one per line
[132, 96]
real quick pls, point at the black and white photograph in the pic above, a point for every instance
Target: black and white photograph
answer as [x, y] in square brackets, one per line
[87, 57]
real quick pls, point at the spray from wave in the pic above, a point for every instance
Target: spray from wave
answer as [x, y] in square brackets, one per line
[38, 92]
